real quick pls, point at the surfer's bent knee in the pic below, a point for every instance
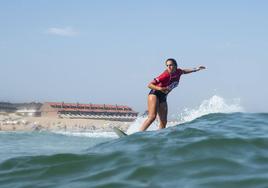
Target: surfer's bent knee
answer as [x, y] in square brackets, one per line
[151, 117]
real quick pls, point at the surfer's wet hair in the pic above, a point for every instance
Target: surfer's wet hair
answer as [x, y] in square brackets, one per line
[173, 61]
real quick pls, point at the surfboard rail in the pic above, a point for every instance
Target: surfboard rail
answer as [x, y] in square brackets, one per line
[119, 132]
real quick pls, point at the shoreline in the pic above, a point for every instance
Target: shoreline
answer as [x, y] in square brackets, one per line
[19, 123]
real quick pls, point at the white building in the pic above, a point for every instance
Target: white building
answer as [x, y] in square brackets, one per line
[28, 112]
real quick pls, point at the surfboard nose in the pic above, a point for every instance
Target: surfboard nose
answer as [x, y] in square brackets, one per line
[119, 132]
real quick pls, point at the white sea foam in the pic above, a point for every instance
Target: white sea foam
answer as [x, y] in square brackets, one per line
[215, 104]
[89, 134]
[134, 127]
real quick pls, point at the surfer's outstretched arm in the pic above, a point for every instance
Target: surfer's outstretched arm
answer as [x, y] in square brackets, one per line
[187, 71]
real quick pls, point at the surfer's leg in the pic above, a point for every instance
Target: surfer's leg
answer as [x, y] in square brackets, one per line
[152, 112]
[162, 114]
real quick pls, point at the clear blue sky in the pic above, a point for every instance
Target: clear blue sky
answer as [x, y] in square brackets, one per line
[108, 51]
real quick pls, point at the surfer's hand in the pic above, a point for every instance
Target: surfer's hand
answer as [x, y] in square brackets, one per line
[201, 67]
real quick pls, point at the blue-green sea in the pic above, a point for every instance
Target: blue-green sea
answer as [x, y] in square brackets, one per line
[217, 150]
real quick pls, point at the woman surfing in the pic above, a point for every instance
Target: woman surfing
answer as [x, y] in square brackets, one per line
[160, 87]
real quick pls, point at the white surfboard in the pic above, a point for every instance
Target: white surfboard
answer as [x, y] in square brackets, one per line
[119, 132]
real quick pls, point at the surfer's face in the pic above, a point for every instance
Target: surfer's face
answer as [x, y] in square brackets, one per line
[171, 67]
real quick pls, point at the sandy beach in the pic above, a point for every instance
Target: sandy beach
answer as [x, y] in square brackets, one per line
[13, 122]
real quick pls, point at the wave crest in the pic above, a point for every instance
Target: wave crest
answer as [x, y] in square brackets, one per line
[215, 104]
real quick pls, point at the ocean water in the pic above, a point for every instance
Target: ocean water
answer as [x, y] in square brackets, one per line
[221, 147]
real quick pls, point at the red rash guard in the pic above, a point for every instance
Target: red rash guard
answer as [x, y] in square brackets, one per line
[168, 80]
